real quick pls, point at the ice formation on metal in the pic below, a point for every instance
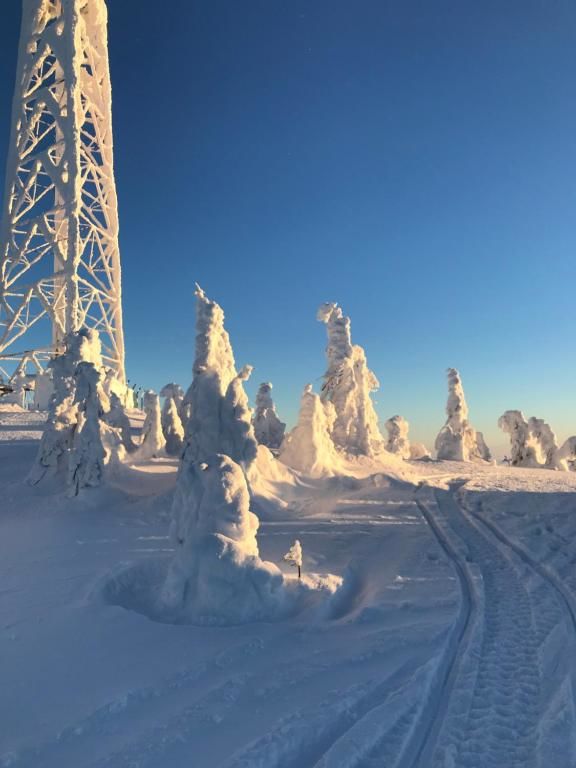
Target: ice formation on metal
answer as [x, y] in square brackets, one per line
[59, 257]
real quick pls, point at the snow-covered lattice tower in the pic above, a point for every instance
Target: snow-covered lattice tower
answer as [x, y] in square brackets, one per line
[59, 258]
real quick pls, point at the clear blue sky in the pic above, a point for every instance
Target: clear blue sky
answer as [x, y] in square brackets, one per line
[413, 160]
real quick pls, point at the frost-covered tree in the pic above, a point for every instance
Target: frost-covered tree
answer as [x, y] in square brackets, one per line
[216, 575]
[176, 392]
[238, 439]
[348, 386]
[308, 447]
[17, 396]
[419, 451]
[153, 442]
[117, 418]
[294, 557]
[172, 428]
[544, 441]
[43, 390]
[268, 428]
[523, 447]
[220, 420]
[457, 440]
[87, 457]
[56, 442]
[398, 442]
[565, 457]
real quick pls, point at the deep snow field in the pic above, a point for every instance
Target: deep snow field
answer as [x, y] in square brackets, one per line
[452, 642]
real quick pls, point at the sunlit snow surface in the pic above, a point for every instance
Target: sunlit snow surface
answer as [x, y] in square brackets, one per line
[453, 644]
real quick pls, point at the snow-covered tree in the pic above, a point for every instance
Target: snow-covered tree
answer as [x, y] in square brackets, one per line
[153, 442]
[220, 420]
[457, 440]
[172, 428]
[565, 457]
[117, 418]
[398, 442]
[268, 428]
[294, 557]
[176, 392]
[348, 385]
[43, 390]
[87, 457]
[56, 442]
[309, 447]
[523, 447]
[238, 439]
[17, 396]
[544, 441]
[419, 451]
[216, 575]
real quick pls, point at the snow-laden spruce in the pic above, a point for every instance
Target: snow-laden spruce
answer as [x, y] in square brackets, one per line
[176, 392]
[348, 386]
[117, 418]
[172, 428]
[56, 442]
[294, 556]
[93, 440]
[398, 442]
[220, 421]
[523, 446]
[153, 442]
[544, 440]
[43, 390]
[216, 575]
[565, 457]
[268, 428]
[533, 443]
[419, 451]
[17, 396]
[457, 440]
[308, 448]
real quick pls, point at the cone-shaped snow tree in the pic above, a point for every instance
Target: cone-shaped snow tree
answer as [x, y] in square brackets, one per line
[88, 455]
[308, 447]
[268, 428]
[172, 428]
[220, 421]
[117, 418]
[457, 440]
[153, 442]
[348, 385]
[216, 575]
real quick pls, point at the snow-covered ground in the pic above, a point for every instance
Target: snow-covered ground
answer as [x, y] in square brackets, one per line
[452, 642]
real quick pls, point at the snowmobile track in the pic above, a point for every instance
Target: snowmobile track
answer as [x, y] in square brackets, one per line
[487, 709]
[435, 710]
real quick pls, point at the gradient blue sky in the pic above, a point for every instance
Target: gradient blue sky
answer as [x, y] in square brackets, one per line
[413, 160]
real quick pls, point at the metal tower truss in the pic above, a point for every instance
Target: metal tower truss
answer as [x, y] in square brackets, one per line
[60, 261]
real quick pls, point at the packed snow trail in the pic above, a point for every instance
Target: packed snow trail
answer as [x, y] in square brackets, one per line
[491, 714]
